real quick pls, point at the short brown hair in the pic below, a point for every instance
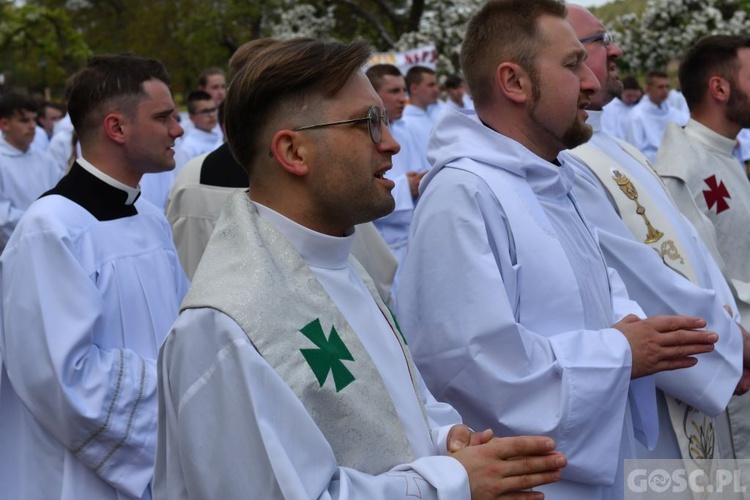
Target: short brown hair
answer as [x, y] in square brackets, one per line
[14, 103]
[245, 51]
[284, 78]
[654, 74]
[711, 56]
[109, 82]
[196, 96]
[503, 30]
[377, 72]
[208, 72]
[414, 76]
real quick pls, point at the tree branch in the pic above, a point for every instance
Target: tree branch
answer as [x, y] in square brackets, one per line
[372, 19]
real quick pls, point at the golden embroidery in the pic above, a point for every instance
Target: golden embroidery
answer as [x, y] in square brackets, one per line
[699, 430]
[653, 235]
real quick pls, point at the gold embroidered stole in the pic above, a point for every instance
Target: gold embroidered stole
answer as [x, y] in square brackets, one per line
[695, 431]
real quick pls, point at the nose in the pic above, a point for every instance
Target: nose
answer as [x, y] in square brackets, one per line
[589, 82]
[613, 51]
[177, 130]
[387, 143]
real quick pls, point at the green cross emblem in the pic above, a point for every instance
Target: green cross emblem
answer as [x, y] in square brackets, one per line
[328, 356]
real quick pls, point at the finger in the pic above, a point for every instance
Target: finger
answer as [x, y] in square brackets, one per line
[528, 481]
[676, 364]
[481, 437]
[523, 495]
[630, 318]
[673, 323]
[459, 437]
[524, 465]
[687, 337]
[520, 446]
[685, 351]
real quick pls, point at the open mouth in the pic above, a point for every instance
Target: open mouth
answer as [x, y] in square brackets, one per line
[380, 174]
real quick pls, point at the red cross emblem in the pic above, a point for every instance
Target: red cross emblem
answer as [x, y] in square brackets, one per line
[715, 194]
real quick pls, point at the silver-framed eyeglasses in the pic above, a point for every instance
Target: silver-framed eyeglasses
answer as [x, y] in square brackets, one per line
[374, 119]
[603, 37]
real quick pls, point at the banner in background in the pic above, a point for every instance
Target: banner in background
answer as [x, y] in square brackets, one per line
[420, 56]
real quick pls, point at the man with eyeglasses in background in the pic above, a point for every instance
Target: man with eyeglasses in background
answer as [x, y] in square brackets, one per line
[657, 253]
[504, 294]
[202, 137]
[283, 345]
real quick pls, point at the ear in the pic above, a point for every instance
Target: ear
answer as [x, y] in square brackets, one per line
[114, 127]
[290, 152]
[3, 124]
[514, 83]
[719, 88]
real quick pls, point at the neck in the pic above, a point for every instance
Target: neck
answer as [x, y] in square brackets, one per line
[522, 131]
[112, 164]
[657, 104]
[293, 205]
[21, 147]
[717, 122]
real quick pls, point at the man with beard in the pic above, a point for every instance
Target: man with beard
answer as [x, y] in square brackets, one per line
[284, 344]
[657, 252]
[704, 178]
[506, 301]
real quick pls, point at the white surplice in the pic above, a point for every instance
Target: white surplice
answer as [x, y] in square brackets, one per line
[394, 227]
[712, 191]
[646, 123]
[615, 118]
[24, 177]
[194, 143]
[89, 290]
[230, 426]
[709, 385]
[506, 302]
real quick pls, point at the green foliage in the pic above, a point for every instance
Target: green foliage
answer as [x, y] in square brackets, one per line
[38, 44]
[187, 35]
[609, 12]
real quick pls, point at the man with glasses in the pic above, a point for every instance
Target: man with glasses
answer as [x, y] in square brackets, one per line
[504, 294]
[658, 253]
[286, 376]
[202, 137]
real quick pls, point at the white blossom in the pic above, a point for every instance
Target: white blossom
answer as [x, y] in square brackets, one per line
[667, 28]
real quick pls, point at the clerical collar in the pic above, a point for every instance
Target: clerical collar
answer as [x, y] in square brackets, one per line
[131, 192]
[709, 138]
[316, 249]
[99, 198]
